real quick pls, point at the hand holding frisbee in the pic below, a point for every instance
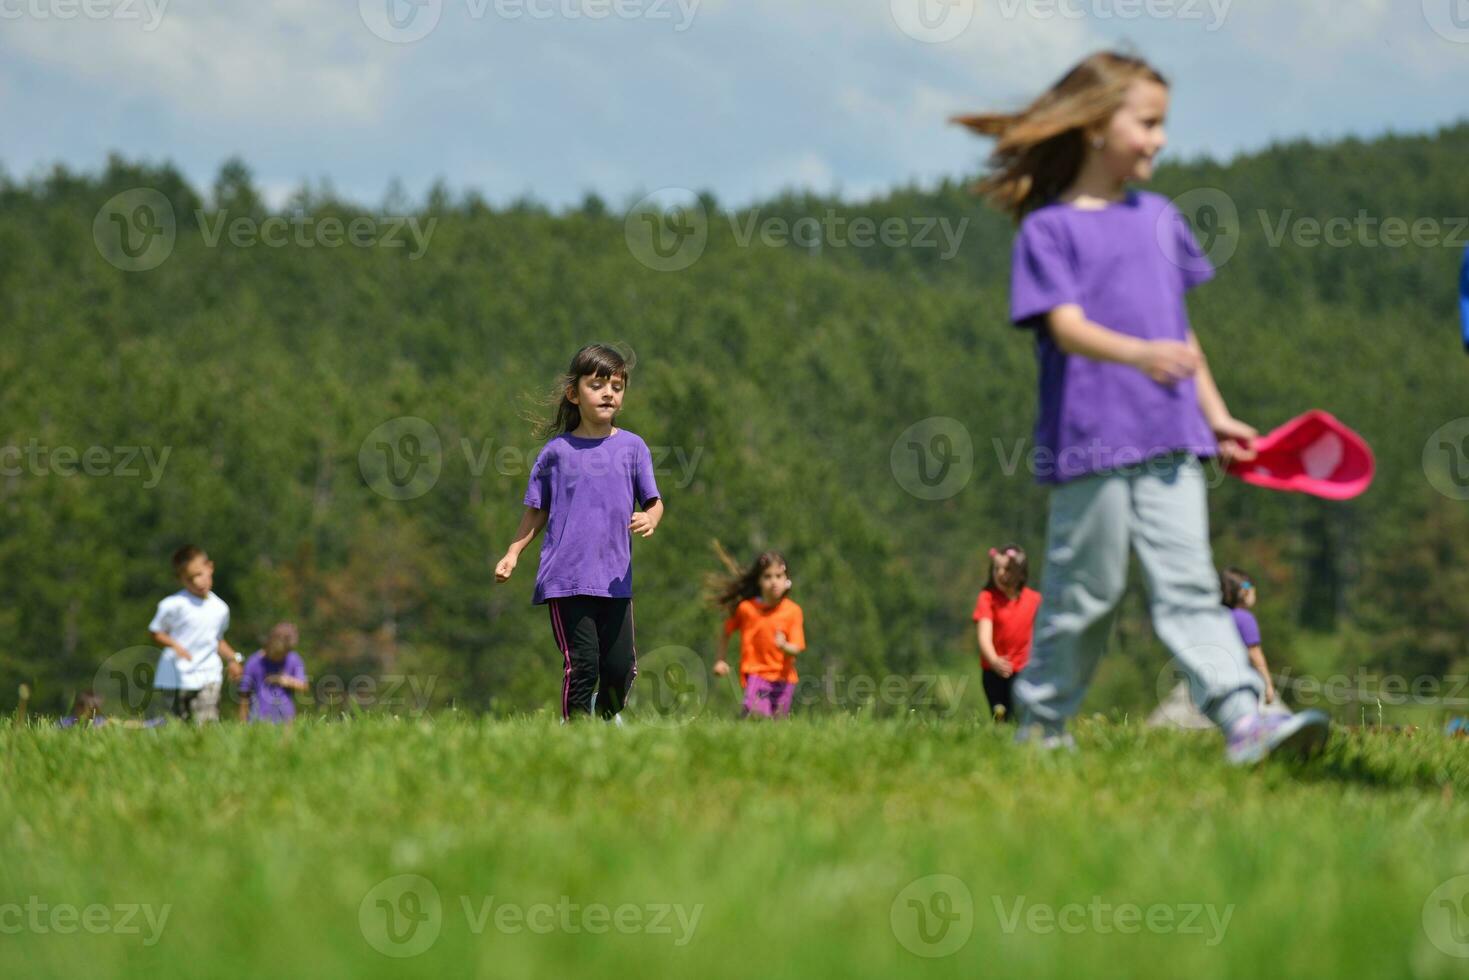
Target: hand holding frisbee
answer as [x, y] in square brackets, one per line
[1313, 453]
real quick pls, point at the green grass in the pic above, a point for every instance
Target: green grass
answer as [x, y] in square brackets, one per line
[794, 842]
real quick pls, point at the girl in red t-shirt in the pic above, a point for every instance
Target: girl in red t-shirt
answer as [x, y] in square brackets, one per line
[1004, 615]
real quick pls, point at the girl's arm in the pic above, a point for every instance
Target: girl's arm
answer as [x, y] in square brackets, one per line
[1234, 436]
[1257, 659]
[531, 523]
[721, 648]
[985, 628]
[645, 522]
[786, 647]
[1165, 361]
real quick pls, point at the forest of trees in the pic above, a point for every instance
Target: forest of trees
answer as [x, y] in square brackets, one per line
[236, 393]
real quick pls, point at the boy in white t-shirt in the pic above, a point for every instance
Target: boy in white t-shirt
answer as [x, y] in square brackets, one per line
[190, 626]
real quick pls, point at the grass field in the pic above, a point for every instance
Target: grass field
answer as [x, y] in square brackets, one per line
[840, 847]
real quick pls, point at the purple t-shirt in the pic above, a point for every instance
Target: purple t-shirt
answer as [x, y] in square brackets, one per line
[1127, 266]
[1249, 628]
[271, 702]
[591, 487]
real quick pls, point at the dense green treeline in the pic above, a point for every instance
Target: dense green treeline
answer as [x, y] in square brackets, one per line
[237, 393]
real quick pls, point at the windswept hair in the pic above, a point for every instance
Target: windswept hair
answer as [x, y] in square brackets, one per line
[597, 360]
[1040, 149]
[737, 584]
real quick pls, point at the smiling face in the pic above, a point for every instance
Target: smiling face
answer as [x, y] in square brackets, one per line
[1134, 135]
[598, 399]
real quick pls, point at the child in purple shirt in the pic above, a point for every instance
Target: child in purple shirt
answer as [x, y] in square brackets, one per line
[272, 676]
[1239, 598]
[1127, 402]
[585, 489]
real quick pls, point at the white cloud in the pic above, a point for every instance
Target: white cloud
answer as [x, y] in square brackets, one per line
[288, 62]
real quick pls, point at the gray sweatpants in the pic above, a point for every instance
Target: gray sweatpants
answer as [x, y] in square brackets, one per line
[1160, 508]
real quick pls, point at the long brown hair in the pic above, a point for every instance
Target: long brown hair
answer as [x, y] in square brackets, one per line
[1040, 149]
[598, 360]
[727, 591]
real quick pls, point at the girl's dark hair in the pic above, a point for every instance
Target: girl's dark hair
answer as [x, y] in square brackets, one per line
[727, 591]
[87, 704]
[1039, 150]
[1020, 562]
[597, 360]
[1231, 585]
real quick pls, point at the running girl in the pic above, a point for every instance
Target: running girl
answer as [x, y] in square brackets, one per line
[1127, 403]
[584, 489]
[1004, 616]
[772, 633]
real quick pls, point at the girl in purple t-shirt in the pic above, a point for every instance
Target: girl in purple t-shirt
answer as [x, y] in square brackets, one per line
[585, 489]
[1127, 403]
[1239, 598]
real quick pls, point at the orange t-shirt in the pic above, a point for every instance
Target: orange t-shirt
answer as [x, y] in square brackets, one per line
[1013, 619]
[757, 624]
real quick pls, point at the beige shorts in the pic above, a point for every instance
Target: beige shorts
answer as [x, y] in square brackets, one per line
[201, 706]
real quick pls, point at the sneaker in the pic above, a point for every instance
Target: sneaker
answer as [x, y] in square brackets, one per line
[615, 719]
[1254, 737]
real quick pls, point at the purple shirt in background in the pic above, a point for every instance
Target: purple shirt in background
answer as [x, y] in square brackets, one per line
[1249, 628]
[271, 702]
[591, 487]
[1127, 266]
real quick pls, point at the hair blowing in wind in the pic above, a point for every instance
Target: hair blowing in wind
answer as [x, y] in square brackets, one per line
[1039, 150]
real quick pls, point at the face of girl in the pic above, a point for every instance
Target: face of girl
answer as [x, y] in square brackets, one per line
[1134, 135]
[599, 399]
[1247, 597]
[773, 582]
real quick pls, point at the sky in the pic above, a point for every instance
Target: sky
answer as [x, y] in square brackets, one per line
[745, 98]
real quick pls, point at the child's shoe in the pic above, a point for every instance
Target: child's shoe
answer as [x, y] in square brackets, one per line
[1253, 737]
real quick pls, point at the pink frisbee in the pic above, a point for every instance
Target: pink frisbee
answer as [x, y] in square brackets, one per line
[1313, 453]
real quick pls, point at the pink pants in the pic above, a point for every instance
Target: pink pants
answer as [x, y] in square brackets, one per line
[768, 699]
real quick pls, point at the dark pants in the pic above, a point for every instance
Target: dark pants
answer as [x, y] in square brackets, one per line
[595, 637]
[997, 690]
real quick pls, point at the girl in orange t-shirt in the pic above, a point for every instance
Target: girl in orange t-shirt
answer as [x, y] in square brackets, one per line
[772, 632]
[1004, 616]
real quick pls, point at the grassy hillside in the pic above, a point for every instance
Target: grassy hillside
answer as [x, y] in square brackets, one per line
[235, 395]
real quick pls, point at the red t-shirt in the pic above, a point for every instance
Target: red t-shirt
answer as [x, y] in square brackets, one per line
[1013, 619]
